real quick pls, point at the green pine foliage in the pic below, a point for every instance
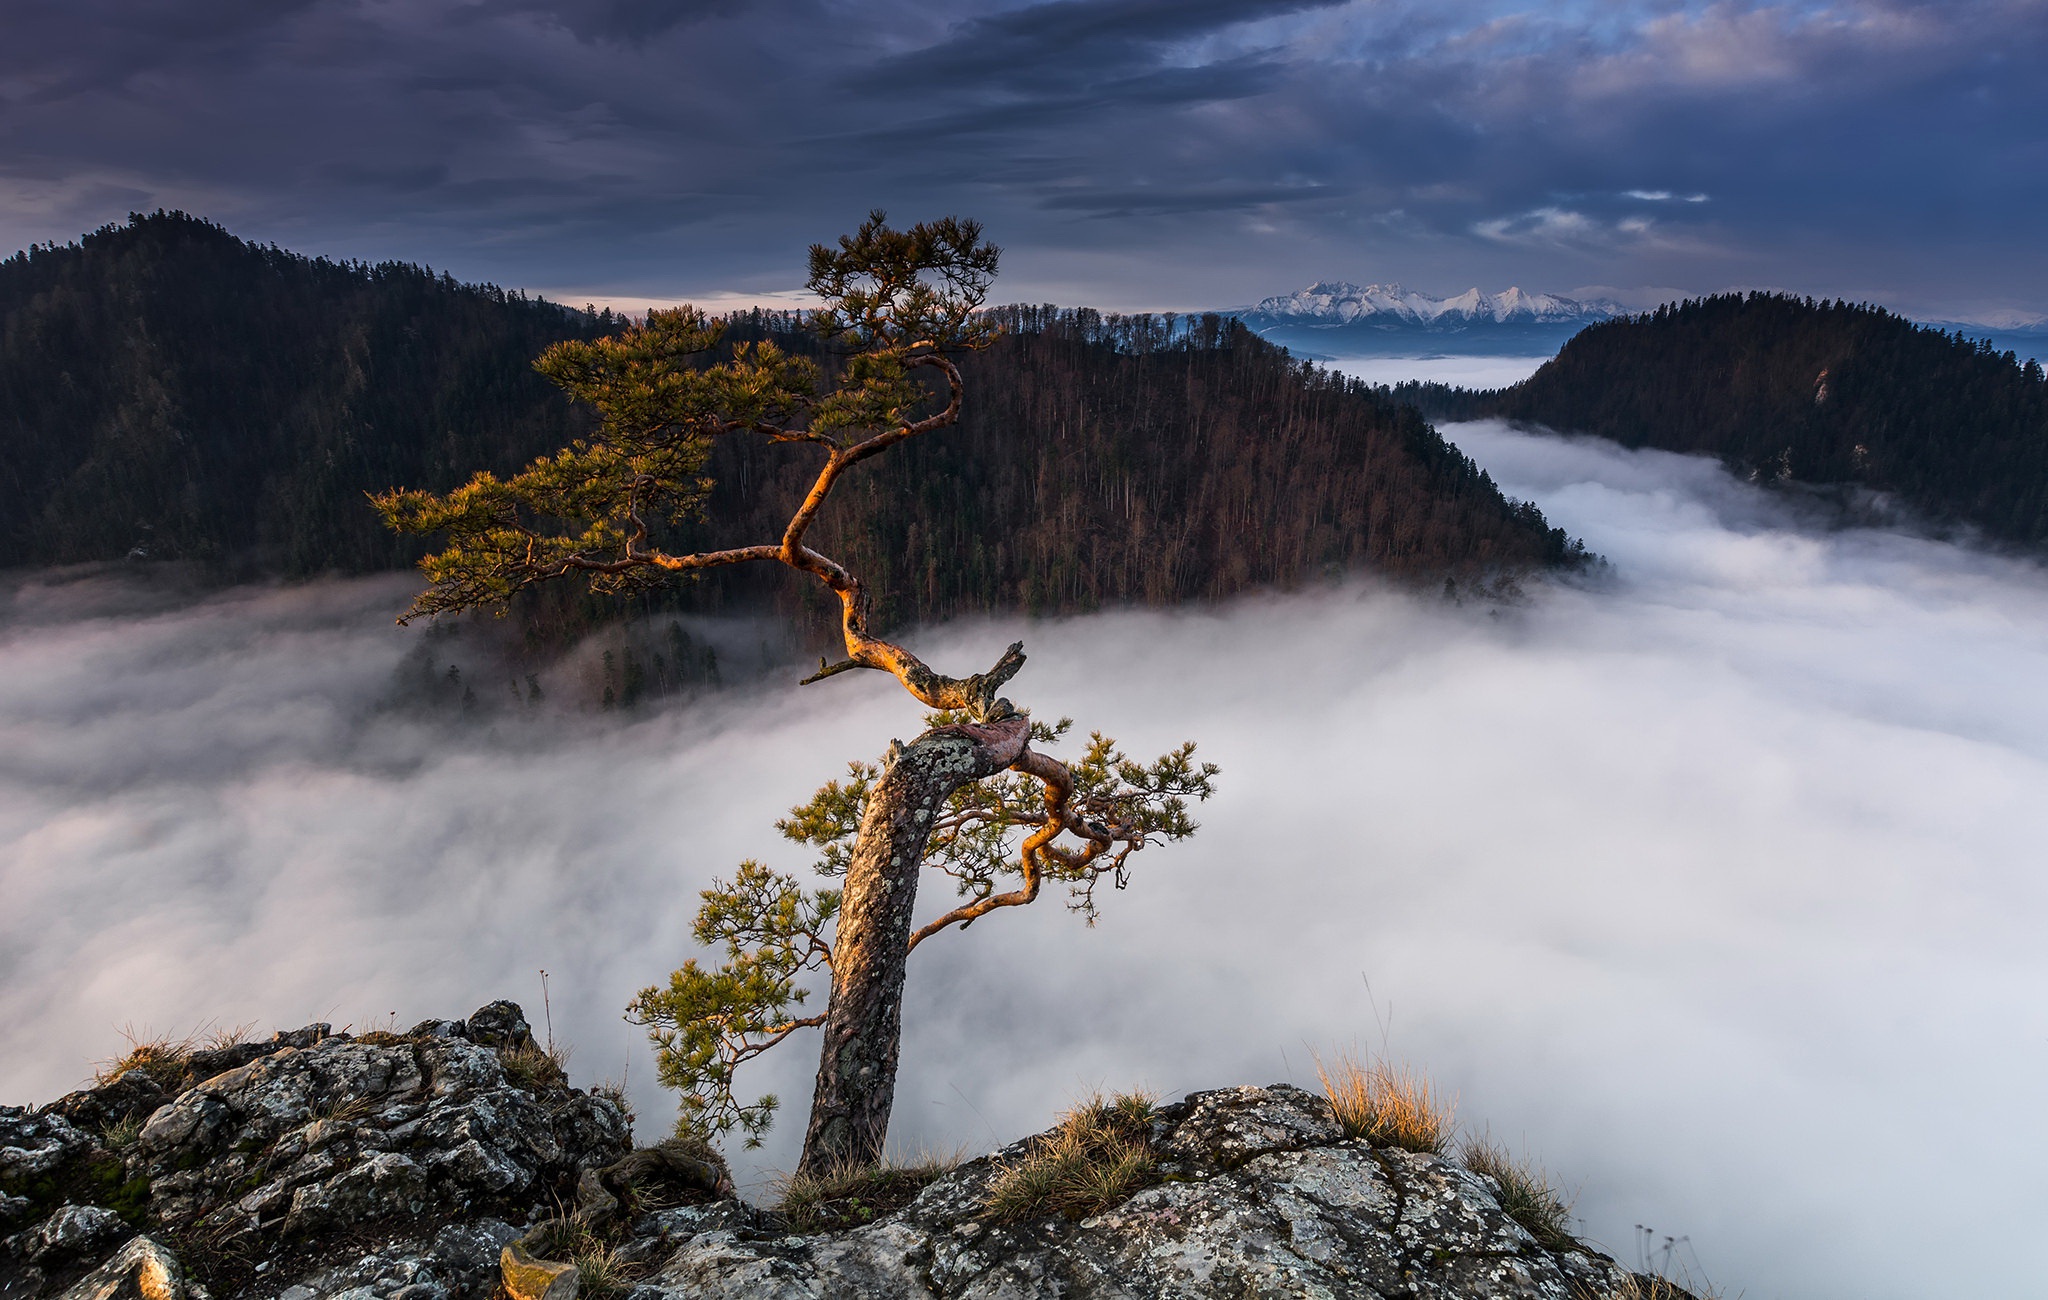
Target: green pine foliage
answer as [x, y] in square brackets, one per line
[775, 933]
[709, 1022]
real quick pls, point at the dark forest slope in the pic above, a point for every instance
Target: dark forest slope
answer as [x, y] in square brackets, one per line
[166, 386]
[1786, 388]
[1102, 460]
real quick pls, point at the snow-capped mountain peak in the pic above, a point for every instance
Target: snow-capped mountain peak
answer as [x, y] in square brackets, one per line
[1337, 302]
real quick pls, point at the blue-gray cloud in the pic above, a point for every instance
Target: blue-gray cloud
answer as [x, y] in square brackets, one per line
[1870, 148]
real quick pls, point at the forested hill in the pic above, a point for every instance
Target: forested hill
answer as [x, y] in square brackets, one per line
[1105, 460]
[1787, 388]
[169, 390]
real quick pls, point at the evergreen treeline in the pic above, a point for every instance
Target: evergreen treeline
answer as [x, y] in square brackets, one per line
[1109, 459]
[1785, 388]
[167, 387]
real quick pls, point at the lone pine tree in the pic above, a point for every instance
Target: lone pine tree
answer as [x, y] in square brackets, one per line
[971, 795]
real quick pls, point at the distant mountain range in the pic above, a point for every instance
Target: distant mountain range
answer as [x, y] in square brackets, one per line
[1336, 318]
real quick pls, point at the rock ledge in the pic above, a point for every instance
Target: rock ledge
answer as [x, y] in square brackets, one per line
[412, 1166]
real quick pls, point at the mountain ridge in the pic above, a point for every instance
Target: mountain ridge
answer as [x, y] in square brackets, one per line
[1335, 318]
[1340, 302]
[169, 389]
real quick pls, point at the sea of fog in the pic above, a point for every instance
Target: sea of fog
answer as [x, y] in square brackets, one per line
[1713, 884]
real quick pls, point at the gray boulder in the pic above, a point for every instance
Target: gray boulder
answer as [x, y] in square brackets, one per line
[140, 1270]
[374, 1166]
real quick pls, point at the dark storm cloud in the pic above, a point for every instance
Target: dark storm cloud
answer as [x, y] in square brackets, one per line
[1124, 203]
[1894, 150]
[1069, 43]
[628, 22]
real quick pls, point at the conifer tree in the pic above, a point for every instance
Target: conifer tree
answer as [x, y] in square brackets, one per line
[971, 793]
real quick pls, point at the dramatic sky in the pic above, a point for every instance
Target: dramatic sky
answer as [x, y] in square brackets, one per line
[1714, 885]
[1127, 153]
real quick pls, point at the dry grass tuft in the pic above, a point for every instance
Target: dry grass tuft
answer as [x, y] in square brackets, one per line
[162, 1058]
[534, 1066]
[342, 1109]
[1388, 1105]
[215, 1038]
[850, 1196]
[615, 1093]
[600, 1271]
[121, 1134]
[1643, 1286]
[1525, 1194]
[1098, 1156]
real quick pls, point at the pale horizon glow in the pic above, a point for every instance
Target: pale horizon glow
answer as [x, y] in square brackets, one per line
[1458, 371]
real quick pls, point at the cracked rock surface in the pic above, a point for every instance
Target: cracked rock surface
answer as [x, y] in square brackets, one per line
[1265, 1197]
[318, 1166]
[312, 1164]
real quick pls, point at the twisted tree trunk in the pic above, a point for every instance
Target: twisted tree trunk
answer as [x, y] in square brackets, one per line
[863, 1022]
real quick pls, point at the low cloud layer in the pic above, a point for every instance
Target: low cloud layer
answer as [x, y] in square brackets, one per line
[1712, 884]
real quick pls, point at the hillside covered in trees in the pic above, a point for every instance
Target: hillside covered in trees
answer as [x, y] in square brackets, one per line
[1790, 389]
[169, 390]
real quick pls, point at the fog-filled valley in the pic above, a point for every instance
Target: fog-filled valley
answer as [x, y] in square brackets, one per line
[1709, 879]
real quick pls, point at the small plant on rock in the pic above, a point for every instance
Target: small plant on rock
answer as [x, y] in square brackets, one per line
[1643, 1286]
[383, 1032]
[343, 1108]
[850, 1196]
[532, 1066]
[121, 1134]
[1388, 1105]
[165, 1060]
[1525, 1194]
[1097, 1157]
[600, 1270]
[615, 1093]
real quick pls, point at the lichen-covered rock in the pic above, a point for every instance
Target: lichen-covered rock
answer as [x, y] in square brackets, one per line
[402, 1167]
[63, 1196]
[140, 1270]
[346, 1132]
[501, 1025]
[368, 1166]
[73, 1232]
[1265, 1196]
[133, 1095]
[35, 1146]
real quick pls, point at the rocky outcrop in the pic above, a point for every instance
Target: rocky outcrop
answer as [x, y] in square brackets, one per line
[385, 1164]
[1261, 1195]
[449, 1163]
